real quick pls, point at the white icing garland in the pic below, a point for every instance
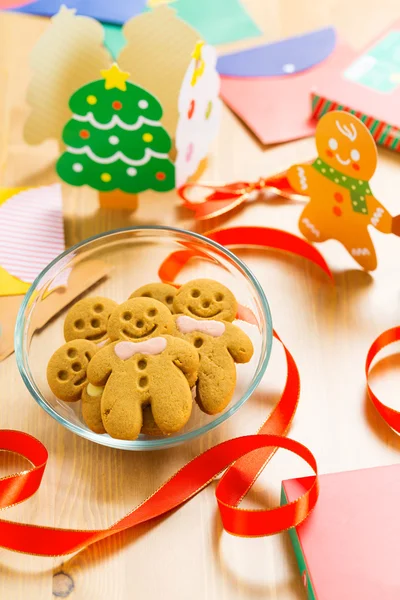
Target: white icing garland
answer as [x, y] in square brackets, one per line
[148, 154]
[115, 120]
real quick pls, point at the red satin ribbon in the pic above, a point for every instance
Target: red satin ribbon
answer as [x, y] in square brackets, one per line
[248, 455]
[261, 237]
[226, 197]
[390, 415]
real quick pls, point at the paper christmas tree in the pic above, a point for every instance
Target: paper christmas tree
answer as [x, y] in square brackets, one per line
[114, 140]
[157, 55]
[69, 54]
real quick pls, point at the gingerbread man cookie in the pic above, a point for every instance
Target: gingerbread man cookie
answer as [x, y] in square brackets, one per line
[139, 319]
[163, 292]
[158, 372]
[67, 369]
[220, 345]
[91, 407]
[205, 299]
[88, 318]
[342, 205]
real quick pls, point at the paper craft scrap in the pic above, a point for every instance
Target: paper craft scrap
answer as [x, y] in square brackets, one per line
[67, 56]
[367, 85]
[347, 548]
[117, 11]
[342, 205]
[114, 139]
[157, 55]
[114, 39]
[282, 58]
[61, 289]
[199, 112]
[277, 109]
[31, 234]
[218, 22]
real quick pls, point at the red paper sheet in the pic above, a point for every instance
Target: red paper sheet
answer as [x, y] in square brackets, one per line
[277, 109]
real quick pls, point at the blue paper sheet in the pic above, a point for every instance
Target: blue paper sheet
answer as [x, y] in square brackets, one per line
[288, 56]
[107, 11]
[217, 21]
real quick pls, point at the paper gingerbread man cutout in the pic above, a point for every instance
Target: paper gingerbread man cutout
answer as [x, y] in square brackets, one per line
[342, 204]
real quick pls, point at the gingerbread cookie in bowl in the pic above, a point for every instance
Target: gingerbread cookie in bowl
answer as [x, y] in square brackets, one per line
[88, 319]
[205, 299]
[144, 366]
[220, 345]
[163, 292]
[67, 369]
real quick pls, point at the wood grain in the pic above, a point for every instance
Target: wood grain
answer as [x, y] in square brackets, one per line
[328, 329]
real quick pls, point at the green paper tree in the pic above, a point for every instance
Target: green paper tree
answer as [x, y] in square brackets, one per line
[115, 139]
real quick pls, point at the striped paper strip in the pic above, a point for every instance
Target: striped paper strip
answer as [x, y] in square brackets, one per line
[31, 231]
[384, 134]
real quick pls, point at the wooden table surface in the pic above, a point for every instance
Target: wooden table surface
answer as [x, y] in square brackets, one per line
[328, 329]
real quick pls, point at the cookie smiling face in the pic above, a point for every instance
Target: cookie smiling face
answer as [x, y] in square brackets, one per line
[88, 319]
[66, 371]
[205, 299]
[163, 292]
[139, 319]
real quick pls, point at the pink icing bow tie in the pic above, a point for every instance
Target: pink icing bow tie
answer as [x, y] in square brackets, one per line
[125, 350]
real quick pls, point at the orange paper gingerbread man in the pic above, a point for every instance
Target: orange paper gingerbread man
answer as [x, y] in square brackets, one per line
[341, 202]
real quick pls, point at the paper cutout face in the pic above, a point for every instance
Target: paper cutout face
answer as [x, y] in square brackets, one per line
[31, 232]
[346, 144]
[283, 58]
[114, 139]
[199, 110]
[157, 55]
[342, 205]
[68, 55]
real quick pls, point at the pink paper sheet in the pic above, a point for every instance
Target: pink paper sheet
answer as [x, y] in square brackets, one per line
[350, 541]
[277, 109]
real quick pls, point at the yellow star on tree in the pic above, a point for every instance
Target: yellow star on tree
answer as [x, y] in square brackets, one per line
[115, 78]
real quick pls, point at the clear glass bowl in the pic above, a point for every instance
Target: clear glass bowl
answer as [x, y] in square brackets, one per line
[130, 258]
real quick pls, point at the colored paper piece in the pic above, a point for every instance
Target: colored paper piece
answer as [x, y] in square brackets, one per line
[199, 112]
[157, 55]
[9, 307]
[62, 289]
[342, 205]
[277, 109]
[347, 548]
[218, 22]
[114, 139]
[114, 39]
[369, 86]
[286, 57]
[31, 235]
[117, 11]
[12, 3]
[69, 54]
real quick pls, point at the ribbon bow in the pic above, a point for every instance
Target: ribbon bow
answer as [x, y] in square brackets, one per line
[224, 198]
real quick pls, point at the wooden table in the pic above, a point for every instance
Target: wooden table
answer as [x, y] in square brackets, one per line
[328, 329]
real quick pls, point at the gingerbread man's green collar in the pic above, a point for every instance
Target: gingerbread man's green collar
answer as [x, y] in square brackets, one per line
[358, 188]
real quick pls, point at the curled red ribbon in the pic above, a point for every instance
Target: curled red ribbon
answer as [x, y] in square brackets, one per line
[390, 415]
[224, 198]
[243, 457]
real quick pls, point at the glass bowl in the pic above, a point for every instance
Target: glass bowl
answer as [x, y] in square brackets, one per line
[122, 261]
